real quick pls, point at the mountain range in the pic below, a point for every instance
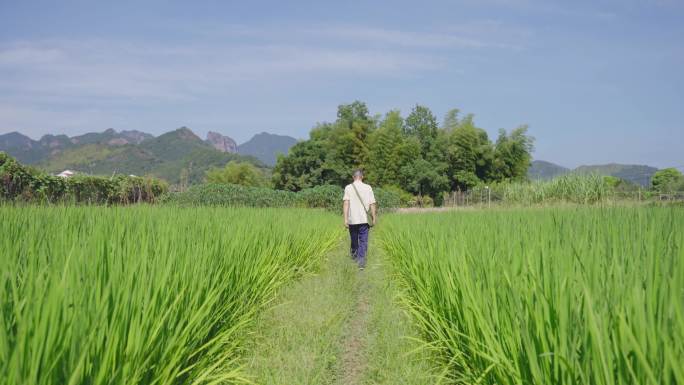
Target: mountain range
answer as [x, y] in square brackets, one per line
[167, 156]
[637, 174]
[182, 152]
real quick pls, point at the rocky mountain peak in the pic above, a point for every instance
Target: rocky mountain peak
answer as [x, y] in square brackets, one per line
[221, 142]
[15, 140]
[135, 137]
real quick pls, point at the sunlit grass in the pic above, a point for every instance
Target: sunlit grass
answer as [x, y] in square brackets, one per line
[547, 296]
[142, 295]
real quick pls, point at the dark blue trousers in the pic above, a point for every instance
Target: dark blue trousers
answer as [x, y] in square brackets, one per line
[359, 242]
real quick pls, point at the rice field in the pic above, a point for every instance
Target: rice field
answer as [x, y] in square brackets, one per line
[143, 295]
[546, 296]
[169, 295]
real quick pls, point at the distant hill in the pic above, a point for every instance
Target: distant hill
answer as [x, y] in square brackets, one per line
[59, 149]
[111, 137]
[29, 151]
[164, 156]
[140, 153]
[541, 169]
[221, 142]
[25, 149]
[638, 174]
[266, 147]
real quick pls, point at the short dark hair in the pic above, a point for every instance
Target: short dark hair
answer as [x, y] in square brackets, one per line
[358, 173]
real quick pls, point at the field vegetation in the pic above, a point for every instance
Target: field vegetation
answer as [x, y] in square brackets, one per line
[326, 197]
[547, 296]
[570, 188]
[19, 183]
[143, 295]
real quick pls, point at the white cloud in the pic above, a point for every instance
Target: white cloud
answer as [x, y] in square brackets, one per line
[112, 69]
[391, 37]
[474, 34]
[94, 78]
[27, 54]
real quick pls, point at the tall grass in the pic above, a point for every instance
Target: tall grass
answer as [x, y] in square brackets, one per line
[142, 295]
[573, 188]
[547, 296]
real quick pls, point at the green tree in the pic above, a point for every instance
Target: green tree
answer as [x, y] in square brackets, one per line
[242, 173]
[413, 153]
[356, 119]
[512, 154]
[384, 144]
[451, 120]
[430, 168]
[667, 179]
[422, 124]
[303, 167]
[469, 154]
[346, 143]
[357, 111]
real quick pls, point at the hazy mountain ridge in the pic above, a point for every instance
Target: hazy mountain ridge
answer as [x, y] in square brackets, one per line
[541, 169]
[166, 156]
[266, 147]
[30, 151]
[112, 137]
[639, 174]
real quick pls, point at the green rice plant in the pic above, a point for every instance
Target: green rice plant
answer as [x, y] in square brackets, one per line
[547, 296]
[142, 295]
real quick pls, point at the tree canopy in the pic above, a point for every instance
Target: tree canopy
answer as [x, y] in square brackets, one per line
[667, 179]
[241, 173]
[413, 153]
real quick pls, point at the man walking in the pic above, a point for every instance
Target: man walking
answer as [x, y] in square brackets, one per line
[359, 205]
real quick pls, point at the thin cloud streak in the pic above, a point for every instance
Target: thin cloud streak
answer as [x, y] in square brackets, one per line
[174, 73]
[477, 34]
[112, 70]
[426, 40]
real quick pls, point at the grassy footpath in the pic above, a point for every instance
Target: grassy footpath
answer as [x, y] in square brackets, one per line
[340, 326]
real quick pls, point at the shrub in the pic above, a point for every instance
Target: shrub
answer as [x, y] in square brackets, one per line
[135, 189]
[388, 198]
[212, 194]
[405, 199]
[327, 197]
[668, 179]
[240, 173]
[22, 183]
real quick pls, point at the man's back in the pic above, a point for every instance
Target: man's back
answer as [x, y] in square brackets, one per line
[358, 202]
[357, 209]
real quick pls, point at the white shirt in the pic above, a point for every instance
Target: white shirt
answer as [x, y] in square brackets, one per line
[357, 213]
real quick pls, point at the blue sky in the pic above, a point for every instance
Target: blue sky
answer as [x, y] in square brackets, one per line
[597, 81]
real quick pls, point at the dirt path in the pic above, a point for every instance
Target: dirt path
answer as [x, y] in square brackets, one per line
[340, 326]
[355, 344]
